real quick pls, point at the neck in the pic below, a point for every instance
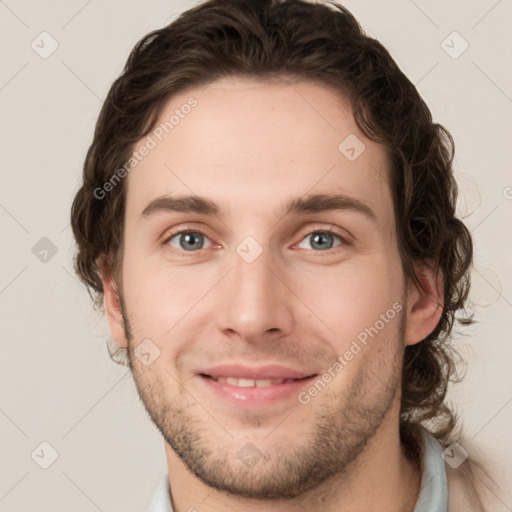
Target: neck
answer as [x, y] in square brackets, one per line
[381, 478]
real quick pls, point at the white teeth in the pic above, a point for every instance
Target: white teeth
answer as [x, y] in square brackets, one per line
[251, 383]
[263, 383]
[241, 383]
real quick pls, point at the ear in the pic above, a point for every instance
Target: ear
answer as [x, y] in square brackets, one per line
[113, 307]
[424, 306]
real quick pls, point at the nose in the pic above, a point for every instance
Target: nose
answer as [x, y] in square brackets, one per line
[254, 300]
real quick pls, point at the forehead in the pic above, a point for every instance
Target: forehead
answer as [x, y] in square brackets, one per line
[242, 142]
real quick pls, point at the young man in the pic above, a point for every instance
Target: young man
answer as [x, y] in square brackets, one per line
[267, 214]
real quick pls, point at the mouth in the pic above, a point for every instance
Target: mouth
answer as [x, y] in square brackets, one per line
[251, 383]
[249, 393]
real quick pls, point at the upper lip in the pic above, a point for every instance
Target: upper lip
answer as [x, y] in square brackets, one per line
[239, 371]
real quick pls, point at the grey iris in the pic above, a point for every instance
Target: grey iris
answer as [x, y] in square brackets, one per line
[317, 238]
[187, 241]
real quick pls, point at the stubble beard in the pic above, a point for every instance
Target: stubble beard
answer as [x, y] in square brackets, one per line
[330, 447]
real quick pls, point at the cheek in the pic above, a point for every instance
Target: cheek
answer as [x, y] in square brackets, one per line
[161, 299]
[354, 295]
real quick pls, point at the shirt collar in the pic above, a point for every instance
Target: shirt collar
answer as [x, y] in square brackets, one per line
[433, 495]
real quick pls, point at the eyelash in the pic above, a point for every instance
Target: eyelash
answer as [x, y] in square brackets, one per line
[186, 231]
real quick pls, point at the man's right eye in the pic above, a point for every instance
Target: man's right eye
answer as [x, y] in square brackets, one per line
[187, 240]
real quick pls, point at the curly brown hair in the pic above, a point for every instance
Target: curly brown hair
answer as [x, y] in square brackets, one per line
[295, 39]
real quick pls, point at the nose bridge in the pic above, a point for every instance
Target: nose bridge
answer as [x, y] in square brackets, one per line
[254, 299]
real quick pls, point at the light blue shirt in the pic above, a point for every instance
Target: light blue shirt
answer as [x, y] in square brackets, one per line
[433, 495]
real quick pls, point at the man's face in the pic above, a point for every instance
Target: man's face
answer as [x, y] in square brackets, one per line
[254, 287]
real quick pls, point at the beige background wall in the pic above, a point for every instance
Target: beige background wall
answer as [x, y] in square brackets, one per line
[57, 384]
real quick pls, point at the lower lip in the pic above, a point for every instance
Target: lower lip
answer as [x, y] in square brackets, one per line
[256, 397]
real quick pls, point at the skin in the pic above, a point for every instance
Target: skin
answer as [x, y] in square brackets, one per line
[250, 146]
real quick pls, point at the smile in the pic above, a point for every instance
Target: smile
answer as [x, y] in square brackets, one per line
[251, 383]
[253, 393]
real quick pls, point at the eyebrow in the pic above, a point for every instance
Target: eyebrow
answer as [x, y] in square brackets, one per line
[313, 203]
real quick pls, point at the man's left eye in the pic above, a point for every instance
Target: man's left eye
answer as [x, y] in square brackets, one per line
[323, 240]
